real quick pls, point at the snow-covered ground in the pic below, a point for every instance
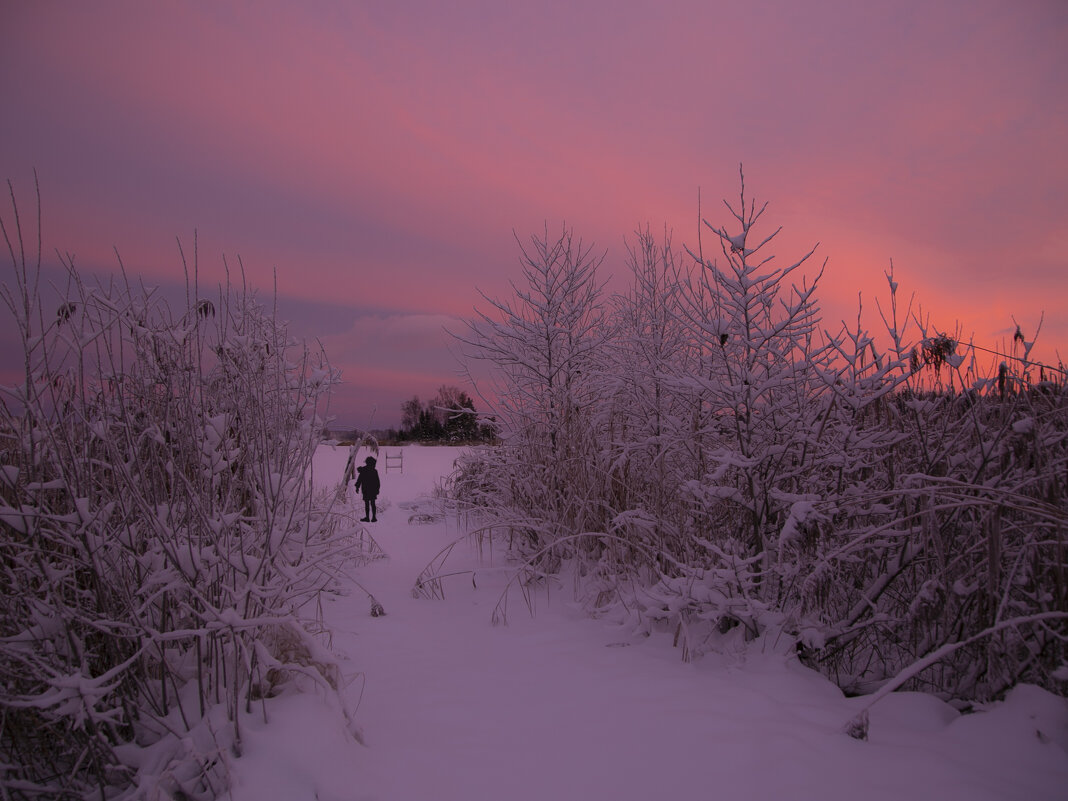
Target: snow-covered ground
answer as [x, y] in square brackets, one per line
[557, 706]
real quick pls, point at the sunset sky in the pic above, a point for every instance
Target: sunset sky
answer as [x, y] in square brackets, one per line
[381, 157]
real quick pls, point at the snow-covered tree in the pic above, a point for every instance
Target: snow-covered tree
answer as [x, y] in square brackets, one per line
[543, 348]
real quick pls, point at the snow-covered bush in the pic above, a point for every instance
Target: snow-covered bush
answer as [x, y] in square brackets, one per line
[750, 470]
[957, 527]
[160, 547]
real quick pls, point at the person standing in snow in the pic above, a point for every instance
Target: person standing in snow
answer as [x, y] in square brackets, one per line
[368, 482]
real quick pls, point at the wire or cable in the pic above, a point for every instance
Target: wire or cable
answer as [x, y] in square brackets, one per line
[1061, 370]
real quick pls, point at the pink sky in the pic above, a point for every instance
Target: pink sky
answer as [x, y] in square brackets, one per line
[379, 156]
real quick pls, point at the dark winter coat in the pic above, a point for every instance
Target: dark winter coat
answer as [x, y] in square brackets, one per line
[368, 482]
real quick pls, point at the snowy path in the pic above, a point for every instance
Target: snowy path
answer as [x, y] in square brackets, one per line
[562, 707]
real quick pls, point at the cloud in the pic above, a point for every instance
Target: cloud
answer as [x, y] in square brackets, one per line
[381, 156]
[392, 355]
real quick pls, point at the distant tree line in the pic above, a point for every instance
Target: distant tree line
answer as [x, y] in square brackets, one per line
[449, 416]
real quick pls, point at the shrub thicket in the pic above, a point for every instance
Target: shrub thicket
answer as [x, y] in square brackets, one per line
[160, 549]
[704, 454]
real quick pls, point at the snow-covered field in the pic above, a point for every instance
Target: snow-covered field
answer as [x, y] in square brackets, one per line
[558, 706]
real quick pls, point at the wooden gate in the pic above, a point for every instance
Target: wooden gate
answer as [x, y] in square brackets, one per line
[395, 461]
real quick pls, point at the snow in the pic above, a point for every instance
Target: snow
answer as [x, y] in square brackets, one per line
[560, 706]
